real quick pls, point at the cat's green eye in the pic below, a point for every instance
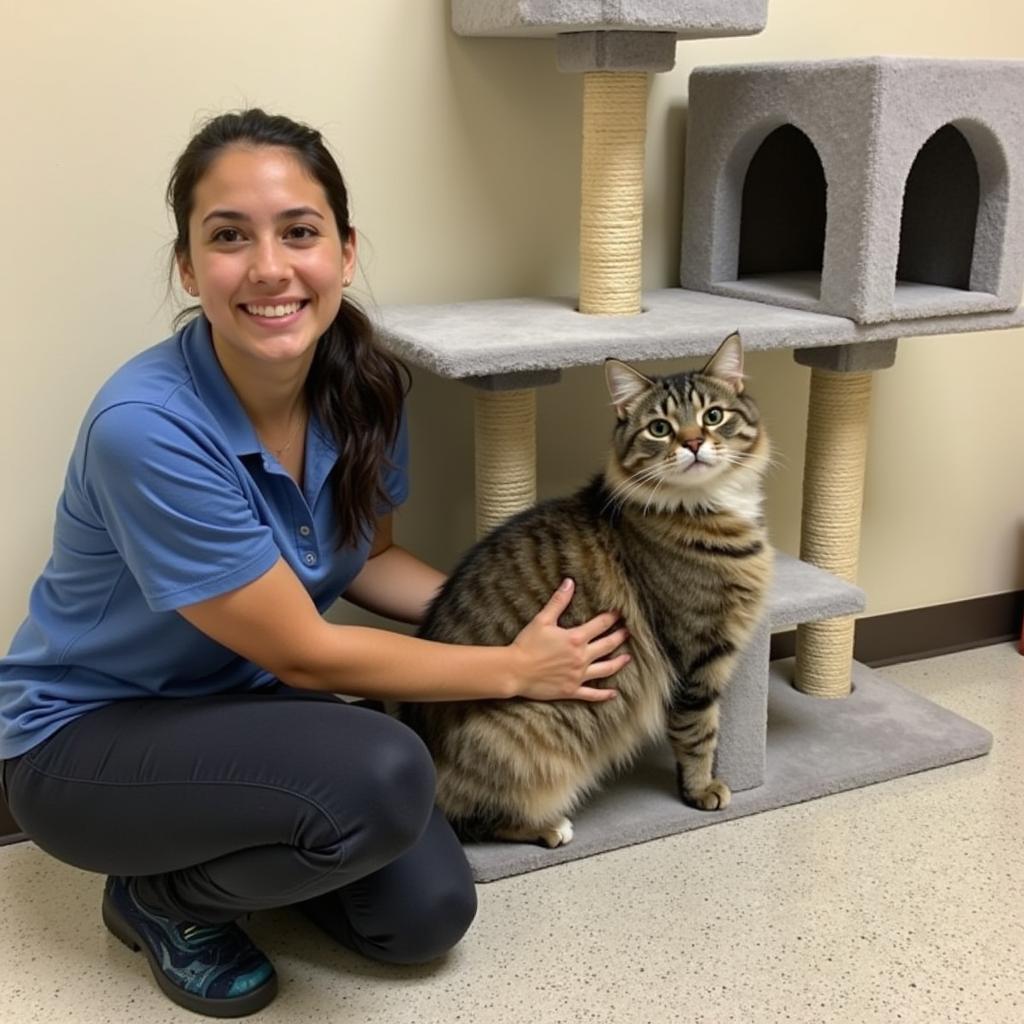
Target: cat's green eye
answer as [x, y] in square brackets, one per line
[659, 428]
[713, 416]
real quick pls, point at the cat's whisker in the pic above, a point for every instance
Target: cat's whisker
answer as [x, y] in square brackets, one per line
[657, 487]
[658, 474]
[648, 473]
[736, 458]
[633, 479]
[652, 495]
[623, 495]
[742, 460]
[621, 488]
[631, 485]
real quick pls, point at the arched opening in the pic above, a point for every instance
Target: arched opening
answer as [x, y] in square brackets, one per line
[940, 213]
[782, 219]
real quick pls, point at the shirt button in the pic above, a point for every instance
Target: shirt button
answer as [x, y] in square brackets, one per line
[310, 559]
[305, 530]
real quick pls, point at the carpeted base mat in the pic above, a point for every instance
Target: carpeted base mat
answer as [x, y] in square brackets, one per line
[816, 747]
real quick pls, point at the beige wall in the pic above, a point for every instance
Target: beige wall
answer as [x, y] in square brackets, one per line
[462, 157]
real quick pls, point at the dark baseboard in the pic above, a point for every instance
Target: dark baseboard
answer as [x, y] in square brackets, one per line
[878, 640]
[928, 632]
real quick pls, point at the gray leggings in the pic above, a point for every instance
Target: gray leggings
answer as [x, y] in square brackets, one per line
[244, 801]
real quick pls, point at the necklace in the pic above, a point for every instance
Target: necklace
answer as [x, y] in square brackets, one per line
[278, 452]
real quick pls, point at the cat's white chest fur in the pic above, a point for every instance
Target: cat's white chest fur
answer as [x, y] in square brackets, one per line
[740, 500]
[732, 495]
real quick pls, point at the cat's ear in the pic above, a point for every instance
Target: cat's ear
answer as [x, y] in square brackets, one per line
[625, 385]
[727, 363]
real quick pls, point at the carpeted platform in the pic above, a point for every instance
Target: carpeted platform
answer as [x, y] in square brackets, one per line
[815, 748]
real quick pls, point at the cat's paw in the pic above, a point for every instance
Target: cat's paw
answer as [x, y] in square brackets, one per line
[714, 797]
[558, 834]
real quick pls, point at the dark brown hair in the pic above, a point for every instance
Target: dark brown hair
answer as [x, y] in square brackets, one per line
[354, 387]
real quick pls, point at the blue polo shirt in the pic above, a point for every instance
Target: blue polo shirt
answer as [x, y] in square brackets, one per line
[169, 499]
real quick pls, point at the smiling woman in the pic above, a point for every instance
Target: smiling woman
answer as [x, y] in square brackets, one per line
[269, 265]
[167, 709]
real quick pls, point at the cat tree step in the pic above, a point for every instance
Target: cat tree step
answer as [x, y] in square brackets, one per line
[814, 748]
[799, 593]
[687, 19]
[804, 593]
[501, 337]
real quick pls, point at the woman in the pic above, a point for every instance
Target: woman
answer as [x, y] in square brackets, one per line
[167, 714]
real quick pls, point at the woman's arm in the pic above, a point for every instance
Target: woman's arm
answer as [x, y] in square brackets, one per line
[394, 582]
[274, 623]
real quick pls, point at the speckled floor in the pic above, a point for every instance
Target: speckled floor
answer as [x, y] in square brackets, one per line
[901, 902]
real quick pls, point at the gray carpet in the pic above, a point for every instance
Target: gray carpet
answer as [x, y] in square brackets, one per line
[815, 748]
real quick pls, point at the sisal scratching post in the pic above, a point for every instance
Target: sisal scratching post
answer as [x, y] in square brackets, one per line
[611, 235]
[615, 48]
[837, 435]
[506, 456]
[612, 192]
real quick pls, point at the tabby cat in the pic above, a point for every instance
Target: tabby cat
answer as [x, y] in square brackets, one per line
[671, 536]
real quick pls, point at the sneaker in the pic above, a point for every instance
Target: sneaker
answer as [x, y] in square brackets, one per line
[211, 969]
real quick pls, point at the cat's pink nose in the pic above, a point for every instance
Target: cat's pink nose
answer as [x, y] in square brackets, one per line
[693, 443]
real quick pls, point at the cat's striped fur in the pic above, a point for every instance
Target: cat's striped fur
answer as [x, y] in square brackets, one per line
[678, 548]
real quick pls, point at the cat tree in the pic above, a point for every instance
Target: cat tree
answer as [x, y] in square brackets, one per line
[830, 207]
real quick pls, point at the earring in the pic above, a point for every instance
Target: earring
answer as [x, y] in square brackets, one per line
[347, 281]
[191, 289]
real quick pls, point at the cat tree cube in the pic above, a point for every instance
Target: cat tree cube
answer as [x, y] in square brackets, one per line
[794, 233]
[876, 189]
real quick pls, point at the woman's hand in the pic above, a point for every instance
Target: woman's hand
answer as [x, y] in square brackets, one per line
[555, 663]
